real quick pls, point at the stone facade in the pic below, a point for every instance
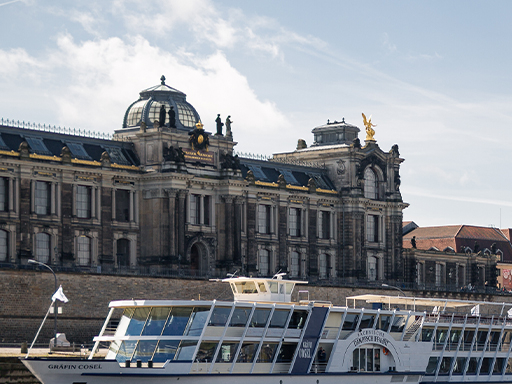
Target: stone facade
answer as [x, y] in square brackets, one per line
[167, 197]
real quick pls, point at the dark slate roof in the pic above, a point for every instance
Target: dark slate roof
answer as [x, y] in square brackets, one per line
[269, 171]
[51, 143]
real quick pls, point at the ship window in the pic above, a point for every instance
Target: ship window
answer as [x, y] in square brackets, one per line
[261, 286]
[279, 318]
[498, 366]
[219, 316]
[206, 352]
[426, 334]
[156, 321]
[227, 352]
[508, 369]
[486, 365]
[455, 336]
[473, 364]
[247, 352]
[267, 353]
[441, 335]
[246, 287]
[298, 319]
[124, 322]
[350, 322]
[366, 359]
[186, 350]
[272, 285]
[468, 338]
[383, 322]
[367, 321]
[240, 316]
[260, 317]
[198, 317]
[398, 324]
[444, 369]
[494, 338]
[286, 353]
[505, 344]
[125, 350]
[177, 321]
[144, 350]
[137, 322]
[166, 350]
[458, 367]
[289, 288]
[432, 365]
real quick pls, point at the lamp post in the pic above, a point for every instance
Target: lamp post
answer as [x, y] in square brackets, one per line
[32, 261]
[398, 289]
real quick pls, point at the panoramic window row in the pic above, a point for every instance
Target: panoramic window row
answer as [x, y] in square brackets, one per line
[469, 366]
[467, 340]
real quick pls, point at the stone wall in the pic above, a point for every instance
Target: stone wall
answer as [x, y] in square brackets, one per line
[25, 298]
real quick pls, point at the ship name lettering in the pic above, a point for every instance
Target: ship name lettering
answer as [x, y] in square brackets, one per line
[74, 366]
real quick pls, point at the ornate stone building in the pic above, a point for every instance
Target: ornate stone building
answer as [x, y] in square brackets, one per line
[163, 195]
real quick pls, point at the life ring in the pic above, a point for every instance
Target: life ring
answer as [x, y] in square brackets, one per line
[385, 351]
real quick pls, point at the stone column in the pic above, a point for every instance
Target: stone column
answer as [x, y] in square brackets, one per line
[113, 204]
[53, 210]
[171, 193]
[93, 202]
[201, 210]
[32, 196]
[58, 199]
[229, 227]
[237, 251]
[131, 207]
[182, 195]
[73, 206]
[11, 194]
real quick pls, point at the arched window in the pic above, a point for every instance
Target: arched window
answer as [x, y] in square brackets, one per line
[370, 184]
[42, 247]
[83, 251]
[4, 253]
[264, 262]
[295, 264]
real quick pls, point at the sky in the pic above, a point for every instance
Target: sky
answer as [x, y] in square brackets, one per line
[434, 75]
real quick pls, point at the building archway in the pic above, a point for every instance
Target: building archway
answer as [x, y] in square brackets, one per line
[198, 257]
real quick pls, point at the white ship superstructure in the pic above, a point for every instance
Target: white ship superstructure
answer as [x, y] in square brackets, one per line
[263, 336]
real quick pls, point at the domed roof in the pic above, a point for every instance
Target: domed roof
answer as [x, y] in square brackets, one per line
[147, 108]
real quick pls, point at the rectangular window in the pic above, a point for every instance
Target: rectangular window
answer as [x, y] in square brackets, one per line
[264, 262]
[83, 202]
[84, 250]
[264, 217]
[195, 209]
[295, 264]
[439, 275]
[206, 210]
[4, 202]
[295, 222]
[324, 225]
[43, 247]
[122, 205]
[372, 228]
[42, 198]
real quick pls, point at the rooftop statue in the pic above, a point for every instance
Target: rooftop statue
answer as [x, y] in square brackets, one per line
[228, 127]
[172, 117]
[219, 122]
[370, 132]
[162, 115]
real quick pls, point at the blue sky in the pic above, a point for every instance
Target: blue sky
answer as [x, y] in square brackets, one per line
[435, 76]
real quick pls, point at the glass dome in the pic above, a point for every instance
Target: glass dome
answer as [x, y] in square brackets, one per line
[147, 108]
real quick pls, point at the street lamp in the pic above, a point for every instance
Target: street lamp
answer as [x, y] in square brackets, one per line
[398, 289]
[32, 261]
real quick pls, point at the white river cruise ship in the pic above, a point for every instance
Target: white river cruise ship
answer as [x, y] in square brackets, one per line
[264, 337]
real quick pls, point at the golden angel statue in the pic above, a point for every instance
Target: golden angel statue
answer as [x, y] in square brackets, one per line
[369, 130]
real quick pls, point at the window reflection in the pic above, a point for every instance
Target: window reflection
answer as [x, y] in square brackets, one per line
[260, 317]
[279, 318]
[227, 352]
[198, 318]
[177, 322]
[156, 321]
[219, 316]
[137, 322]
[166, 350]
[144, 350]
[247, 353]
[240, 316]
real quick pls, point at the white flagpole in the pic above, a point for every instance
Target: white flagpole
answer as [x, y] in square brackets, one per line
[39, 330]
